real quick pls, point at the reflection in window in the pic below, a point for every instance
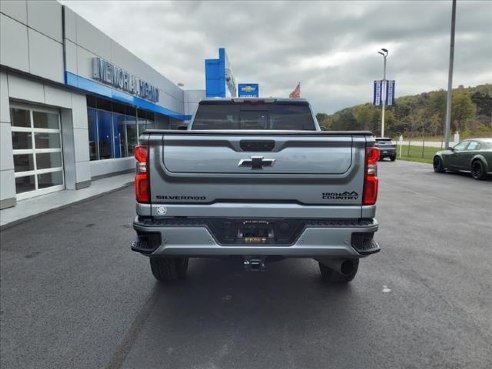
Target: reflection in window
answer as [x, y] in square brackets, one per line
[23, 162]
[47, 140]
[20, 117]
[93, 148]
[21, 140]
[45, 120]
[50, 179]
[25, 184]
[461, 145]
[104, 134]
[131, 134]
[114, 129]
[119, 135]
[49, 160]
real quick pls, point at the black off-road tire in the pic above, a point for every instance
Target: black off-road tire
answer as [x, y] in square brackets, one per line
[328, 275]
[437, 163]
[478, 170]
[168, 269]
[393, 158]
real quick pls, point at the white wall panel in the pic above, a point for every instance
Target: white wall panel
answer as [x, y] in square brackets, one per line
[4, 99]
[194, 95]
[83, 171]
[7, 189]
[103, 167]
[81, 144]
[45, 57]
[24, 89]
[84, 62]
[57, 97]
[45, 17]
[79, 111]
[15, 9]
[70, 25]
[6, 158]
[126, 60]
[90, 38]
[13, 44]
[71, 57]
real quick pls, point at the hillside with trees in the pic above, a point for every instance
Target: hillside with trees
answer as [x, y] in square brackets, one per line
[421, 115]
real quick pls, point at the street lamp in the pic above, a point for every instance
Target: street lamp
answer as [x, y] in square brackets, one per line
[384, 53]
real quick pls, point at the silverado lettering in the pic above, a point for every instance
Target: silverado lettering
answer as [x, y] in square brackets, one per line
[195, 198]
[248, 206]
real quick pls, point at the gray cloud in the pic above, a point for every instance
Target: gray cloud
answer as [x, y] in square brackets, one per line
[330, 46]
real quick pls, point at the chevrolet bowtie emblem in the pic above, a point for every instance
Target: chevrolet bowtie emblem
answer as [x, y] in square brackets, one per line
[256, 162]
[248, 89]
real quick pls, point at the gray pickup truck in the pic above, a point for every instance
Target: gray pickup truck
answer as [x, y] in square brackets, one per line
[257, 179]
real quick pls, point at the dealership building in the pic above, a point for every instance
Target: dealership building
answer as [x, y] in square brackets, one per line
[73, 101]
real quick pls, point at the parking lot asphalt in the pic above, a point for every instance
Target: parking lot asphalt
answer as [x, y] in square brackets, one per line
[73, 295]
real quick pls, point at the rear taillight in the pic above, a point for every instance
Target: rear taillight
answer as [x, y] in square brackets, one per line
[371, 180]
[142, 184]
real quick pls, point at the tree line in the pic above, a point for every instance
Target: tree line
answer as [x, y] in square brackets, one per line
[421, 115]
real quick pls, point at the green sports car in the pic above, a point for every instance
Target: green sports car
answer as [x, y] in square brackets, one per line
[473, 155]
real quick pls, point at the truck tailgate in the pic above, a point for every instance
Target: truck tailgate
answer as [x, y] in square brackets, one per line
[199, 167]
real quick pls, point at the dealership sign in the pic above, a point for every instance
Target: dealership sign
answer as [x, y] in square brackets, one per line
[117, 77]
[248, 90]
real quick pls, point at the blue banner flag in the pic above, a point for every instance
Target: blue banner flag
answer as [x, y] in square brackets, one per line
[378, 92]
[390, 93]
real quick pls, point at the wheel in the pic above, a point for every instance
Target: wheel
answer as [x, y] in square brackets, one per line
[168, 269]
[437, 162]
[393, 158]
[328, 275]
[478, 170]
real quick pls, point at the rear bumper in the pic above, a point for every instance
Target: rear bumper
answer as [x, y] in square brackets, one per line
[387, 153]
[194, 238]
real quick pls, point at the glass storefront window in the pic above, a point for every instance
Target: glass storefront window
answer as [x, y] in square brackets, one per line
[131, 134]
[93, 148]
[119, 137]
[114, 128]
[104, 119]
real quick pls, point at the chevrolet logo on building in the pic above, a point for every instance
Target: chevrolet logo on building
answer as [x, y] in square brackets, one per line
[248, 89]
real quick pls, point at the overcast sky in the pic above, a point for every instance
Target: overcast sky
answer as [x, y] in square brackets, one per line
[329, 46]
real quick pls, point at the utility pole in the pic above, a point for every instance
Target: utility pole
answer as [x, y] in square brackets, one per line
[384, 53]
[450, 79]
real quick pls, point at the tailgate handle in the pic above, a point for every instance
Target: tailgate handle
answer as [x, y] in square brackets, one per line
[255, 145]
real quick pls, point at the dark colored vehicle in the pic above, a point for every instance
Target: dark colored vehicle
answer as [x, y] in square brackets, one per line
[473, 155]
[387, 148]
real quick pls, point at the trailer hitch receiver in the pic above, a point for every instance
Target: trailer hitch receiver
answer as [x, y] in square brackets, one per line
[254, 263]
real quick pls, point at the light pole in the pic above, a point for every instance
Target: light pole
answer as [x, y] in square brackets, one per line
[384, 53]
[449, 98]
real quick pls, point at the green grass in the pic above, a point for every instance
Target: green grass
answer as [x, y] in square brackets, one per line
[416, 153]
